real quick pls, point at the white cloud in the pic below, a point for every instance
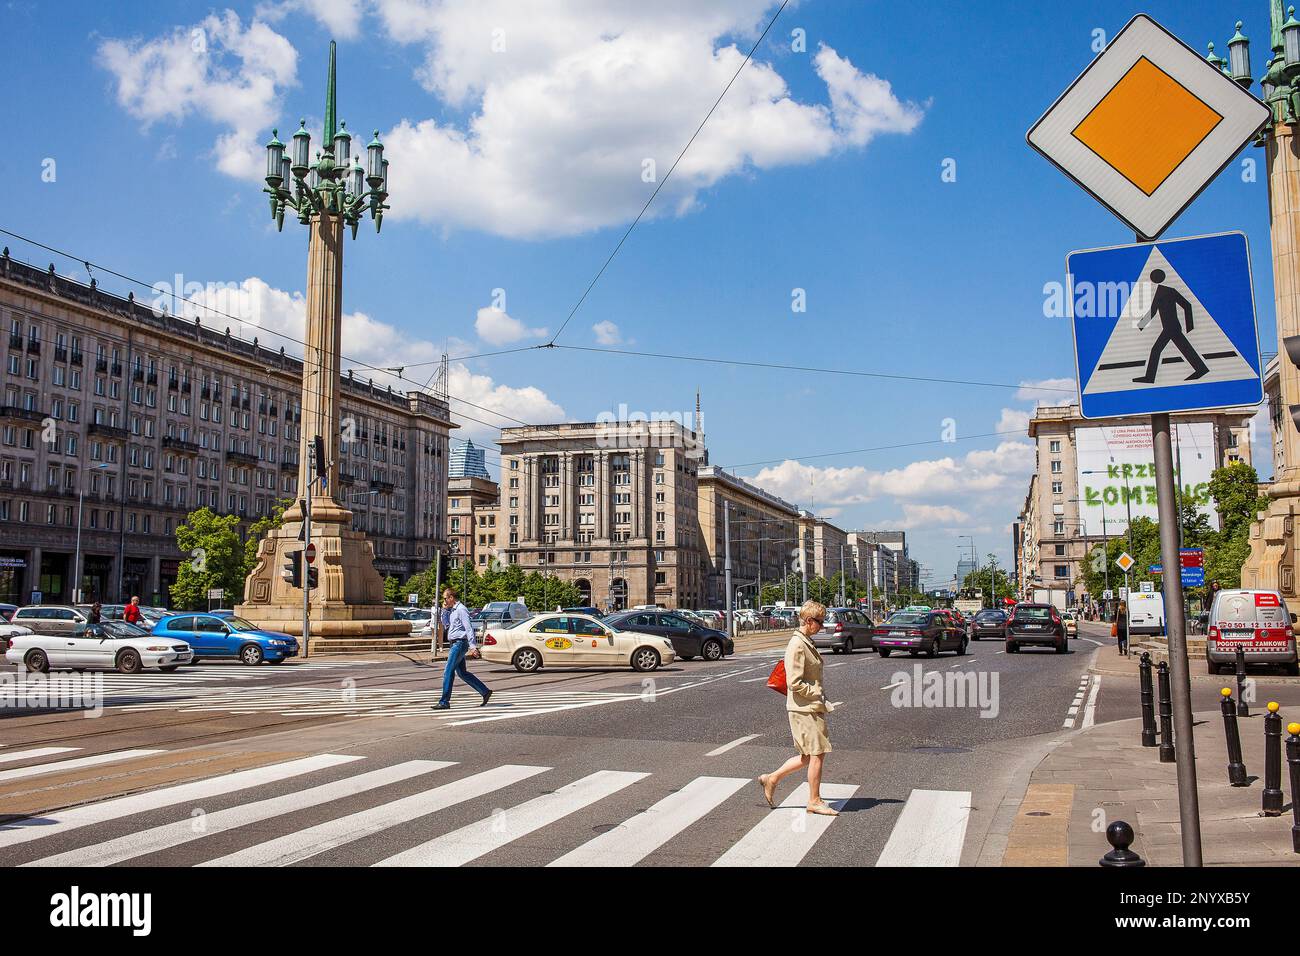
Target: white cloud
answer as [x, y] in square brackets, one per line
[367, 342]
[566, 106]
[930, 516]
[341, 18]
[1014, 420]
[607, 333]
[497, 327]
[1048, 391]
[230, 75]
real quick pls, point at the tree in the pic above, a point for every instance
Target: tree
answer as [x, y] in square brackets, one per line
[259, 529]
[980, 579]
[393, 592]
[217, 559]
[1235, 490]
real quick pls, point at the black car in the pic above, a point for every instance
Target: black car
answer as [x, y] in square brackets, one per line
[991, 622]
[845, 630]
[688, 639]
[920, 632]
[1036, 624]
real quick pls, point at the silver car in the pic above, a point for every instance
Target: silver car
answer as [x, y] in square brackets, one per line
[57, 620]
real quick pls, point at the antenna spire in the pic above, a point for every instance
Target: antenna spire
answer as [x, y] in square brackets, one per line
[330, 102]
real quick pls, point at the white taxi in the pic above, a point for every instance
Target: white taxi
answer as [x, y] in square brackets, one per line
[573, 640]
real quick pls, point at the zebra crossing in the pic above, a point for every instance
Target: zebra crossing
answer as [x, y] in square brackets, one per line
[402, 831]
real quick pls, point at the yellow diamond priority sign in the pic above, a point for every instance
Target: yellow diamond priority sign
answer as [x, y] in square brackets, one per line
[1147, 126]
[1125, 561]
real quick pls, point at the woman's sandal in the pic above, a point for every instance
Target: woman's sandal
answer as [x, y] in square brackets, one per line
[768, 792]
[823, 809]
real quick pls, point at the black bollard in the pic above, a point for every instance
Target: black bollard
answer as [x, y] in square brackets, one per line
[1242, 709]
[1120, 836]
[1166, 714]
[1293, 766]
[1272, 761]
[1236, 769]
[1148, 701]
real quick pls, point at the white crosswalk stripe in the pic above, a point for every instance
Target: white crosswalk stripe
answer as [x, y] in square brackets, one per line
[325, 836]
[634, 840]
[469, 843]
[15, 755]
[174, 834]
[930, 831]
[785, 835]
[77, 763]
[23, 831]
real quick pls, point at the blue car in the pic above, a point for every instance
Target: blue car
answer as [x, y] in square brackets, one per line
[231, 637]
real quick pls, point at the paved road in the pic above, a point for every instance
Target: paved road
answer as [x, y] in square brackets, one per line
[346, 765]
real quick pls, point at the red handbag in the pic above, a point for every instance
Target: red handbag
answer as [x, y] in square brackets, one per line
[776, 680]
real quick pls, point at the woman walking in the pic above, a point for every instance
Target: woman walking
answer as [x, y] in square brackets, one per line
[806, 707]
[1121, 627]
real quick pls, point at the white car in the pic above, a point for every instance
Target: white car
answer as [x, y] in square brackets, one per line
[9, 631]
[573, 640]
[112, 645]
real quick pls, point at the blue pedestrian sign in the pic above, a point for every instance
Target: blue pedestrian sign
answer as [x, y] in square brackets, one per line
[1165, 326]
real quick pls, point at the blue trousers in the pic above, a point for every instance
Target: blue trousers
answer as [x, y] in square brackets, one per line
[455, 666]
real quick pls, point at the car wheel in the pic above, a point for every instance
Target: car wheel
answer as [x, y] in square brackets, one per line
[645, 659]
[37, 662]
[712, 651]
[961, 648]
[848, 646]
[250, 654]
[1012, 648]
[934, 648]
[884, 651]
[526, 660]
[170, 668]
[1062, 647]
[837, 650]
[128, 662]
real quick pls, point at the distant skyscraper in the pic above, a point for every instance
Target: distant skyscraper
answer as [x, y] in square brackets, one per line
[467, 462]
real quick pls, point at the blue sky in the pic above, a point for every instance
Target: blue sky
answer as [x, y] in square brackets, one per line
[518, 168]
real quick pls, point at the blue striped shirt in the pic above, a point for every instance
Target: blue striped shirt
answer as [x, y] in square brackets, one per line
[458, 626]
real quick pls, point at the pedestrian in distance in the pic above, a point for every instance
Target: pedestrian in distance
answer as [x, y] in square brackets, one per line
[806, 707]
[132, 613]
[1119, 630]
[462, 643]
[96, 610]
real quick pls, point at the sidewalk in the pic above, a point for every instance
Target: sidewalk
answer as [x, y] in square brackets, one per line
[1104, 774]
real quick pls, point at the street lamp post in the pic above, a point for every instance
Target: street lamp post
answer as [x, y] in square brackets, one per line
[328, 193]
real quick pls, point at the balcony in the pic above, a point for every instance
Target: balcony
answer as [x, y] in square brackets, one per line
[137, 375]
[26, 414]
[243, 457]
[384, 486]
[177, 444]
[15, 341]
[173, 384]
[117, 369]
[108, 431]
[34, 346]
[101, 365]
[290, 466]
[77, 358]
[60, 355]
[153, 378]
[186, 388]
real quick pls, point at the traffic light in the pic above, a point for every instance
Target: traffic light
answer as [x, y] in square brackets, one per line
[292, 570]
[311, 578]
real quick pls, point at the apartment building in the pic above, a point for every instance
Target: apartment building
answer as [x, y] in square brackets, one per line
[473, 504]
[121, 419]
[764, 536]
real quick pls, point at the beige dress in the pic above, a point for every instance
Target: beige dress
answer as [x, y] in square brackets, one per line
[805, 702]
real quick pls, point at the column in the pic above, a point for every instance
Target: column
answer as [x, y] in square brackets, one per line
[602, 496]
[33, 574]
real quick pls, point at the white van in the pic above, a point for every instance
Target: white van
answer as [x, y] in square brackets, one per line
[1146, 612]
[1257, 621]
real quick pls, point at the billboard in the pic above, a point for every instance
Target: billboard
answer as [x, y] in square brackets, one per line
[1116, 466]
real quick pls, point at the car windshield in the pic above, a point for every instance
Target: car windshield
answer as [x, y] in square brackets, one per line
[990, 616]
[239, 624]
[907, 617]
[1033, 613]
[122, 629]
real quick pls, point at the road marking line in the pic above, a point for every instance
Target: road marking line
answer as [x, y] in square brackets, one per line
[174, 834]
[471, 842]
[61, 821]
[896, 684]
[1072, 711]
[785, 835]
[1069, 724]
[76, 763]
[751, 680]
[930, 831]
[303, 844]
[1090, 640]
[640, 835]
[735, 743]
[1090, 712]
[35, 754]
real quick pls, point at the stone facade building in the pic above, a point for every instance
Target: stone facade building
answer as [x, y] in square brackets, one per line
[764, 536]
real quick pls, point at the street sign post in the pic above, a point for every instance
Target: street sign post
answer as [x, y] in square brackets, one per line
[1165, 326]
[1147, 126]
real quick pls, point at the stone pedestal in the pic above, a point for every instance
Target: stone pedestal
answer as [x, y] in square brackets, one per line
[1273, 542]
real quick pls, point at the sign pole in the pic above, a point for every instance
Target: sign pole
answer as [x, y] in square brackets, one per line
[306, 573]
[1185, 751]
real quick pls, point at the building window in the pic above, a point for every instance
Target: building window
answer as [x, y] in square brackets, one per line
[1062, 571]
[1054, 446]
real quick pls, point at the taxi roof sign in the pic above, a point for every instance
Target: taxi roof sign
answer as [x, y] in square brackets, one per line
[1147, 126]
[1125, 561]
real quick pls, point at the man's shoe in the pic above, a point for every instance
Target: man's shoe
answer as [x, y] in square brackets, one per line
[486, 697]
[441, 707]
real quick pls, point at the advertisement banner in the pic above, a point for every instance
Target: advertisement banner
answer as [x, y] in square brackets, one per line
[1116, 465]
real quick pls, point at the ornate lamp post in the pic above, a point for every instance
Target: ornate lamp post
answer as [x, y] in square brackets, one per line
[328, 194]
[1273, 541]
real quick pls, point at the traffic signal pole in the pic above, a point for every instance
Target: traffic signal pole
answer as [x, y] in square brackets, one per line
[306, 574]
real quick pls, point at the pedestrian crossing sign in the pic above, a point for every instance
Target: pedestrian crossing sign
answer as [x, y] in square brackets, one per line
[1166, 326]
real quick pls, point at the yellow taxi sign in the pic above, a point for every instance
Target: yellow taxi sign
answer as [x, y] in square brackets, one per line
[1147, 126]
[1125, 561]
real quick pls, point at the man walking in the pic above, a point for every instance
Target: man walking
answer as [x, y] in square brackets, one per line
[1165, 303]
[462, 643]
